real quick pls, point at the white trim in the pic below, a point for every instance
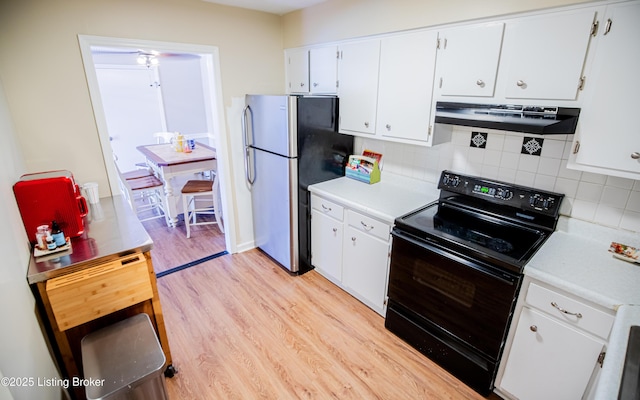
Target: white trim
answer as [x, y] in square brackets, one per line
[215, 103]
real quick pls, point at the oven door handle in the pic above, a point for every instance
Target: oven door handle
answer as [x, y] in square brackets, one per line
[504, 276]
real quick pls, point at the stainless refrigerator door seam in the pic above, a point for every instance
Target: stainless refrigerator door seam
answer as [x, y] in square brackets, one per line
[247, 149]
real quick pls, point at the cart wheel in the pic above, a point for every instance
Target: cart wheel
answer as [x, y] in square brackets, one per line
[170, 371]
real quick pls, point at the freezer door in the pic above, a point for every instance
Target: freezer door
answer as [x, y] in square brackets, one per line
[273, 125]
[275, 207]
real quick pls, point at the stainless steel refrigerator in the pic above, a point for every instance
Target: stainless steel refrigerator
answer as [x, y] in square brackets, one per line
[290, 142]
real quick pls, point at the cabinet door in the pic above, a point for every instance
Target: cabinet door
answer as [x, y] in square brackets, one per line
[548, 360]
[366, 261]
[468, 60]
[298, 71]
[326, 245]
[358, 86]
[545, 55]
[608, 131]
[407, 64]
[323, 70]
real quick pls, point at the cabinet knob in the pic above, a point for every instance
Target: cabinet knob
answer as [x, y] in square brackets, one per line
[635, 155]
[301, 84]
[335, 230]
[480, 82]
[353, 239]
[366, 124]
[533, 328]
[388, 127]
[315, 84]
[521, 84]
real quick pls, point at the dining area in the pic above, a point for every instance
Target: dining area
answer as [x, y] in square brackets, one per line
[178, 176]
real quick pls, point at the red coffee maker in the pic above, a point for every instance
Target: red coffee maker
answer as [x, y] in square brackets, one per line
[50, 196]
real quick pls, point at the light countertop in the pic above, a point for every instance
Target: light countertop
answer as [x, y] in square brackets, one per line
[576, 259]
[392, 197]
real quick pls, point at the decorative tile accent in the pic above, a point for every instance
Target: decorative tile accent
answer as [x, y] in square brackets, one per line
[532, 146]
[478, 139]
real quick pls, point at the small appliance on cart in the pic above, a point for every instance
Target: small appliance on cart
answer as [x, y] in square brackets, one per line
[50, 196]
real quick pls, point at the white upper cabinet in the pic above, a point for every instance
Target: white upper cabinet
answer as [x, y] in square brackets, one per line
[312, 71]
[468, 60]
[608, 136]
[297, 63]
[544, 56]
[358, 86]
[323, 70]
[407, 64]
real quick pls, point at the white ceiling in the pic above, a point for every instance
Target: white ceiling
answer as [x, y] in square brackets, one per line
[279, 7]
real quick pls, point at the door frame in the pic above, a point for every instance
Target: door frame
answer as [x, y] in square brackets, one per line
[212, 79]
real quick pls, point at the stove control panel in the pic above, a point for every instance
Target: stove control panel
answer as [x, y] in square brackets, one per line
[522, 197]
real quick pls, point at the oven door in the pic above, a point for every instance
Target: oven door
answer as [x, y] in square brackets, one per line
[449, 293]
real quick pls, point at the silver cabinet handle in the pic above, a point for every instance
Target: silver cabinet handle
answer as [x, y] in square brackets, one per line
[533, 328]
[607, 27]
[562, 310]
[388, 127]
[335, 230]
[301, 84]
[521, 83]
[366, 124]
[480, 82]
[365, 226]
[635, 155]
[315, 84]
[353, 239]
[325, 208]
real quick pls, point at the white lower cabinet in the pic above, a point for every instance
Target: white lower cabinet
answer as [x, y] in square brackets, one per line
[555, 346]
[326, 238]
[353, 254]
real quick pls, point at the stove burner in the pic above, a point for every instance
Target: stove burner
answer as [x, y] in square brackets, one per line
[472, 235]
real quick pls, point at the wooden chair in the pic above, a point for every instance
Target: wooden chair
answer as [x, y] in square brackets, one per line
[195, 191]
[144, 192]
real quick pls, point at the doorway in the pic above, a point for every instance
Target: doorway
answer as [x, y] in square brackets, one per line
[211, 101]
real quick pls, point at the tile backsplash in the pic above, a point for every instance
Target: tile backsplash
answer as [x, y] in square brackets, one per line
[524, 159]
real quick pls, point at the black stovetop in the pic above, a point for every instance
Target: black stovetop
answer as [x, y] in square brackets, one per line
[492, 221]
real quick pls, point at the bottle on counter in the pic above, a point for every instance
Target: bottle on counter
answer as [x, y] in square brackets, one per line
[51, 244]
[57, 234]
[42, 232]
[179, 142]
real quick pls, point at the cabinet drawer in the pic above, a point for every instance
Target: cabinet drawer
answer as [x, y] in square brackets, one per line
[592, 320]
[369, 225]
[91, 293]
[327, 207]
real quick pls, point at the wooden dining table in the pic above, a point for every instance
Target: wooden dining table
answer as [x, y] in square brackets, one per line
[171, 165]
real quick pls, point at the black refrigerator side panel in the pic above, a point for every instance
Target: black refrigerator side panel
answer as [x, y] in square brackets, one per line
[323, 153]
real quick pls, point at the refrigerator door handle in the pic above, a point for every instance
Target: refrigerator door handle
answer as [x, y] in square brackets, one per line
[247, 149]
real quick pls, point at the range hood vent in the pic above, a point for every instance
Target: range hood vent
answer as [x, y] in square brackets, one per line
[541, 120]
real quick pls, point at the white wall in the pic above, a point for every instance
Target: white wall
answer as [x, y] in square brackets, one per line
[183, 95]
[23, 352]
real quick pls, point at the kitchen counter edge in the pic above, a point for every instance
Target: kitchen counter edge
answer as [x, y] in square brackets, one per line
[392, 197]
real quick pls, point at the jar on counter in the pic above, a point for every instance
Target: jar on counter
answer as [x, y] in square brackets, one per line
[42, 232]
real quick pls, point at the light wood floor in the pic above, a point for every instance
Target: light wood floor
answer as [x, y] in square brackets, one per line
[241, 327]
[171, 248]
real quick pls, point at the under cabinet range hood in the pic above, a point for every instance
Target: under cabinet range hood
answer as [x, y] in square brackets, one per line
[541, 120]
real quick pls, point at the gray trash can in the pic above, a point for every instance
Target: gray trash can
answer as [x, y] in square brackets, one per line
[124, 361]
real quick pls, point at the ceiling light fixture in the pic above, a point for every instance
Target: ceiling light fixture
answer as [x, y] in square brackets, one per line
[147, 59]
